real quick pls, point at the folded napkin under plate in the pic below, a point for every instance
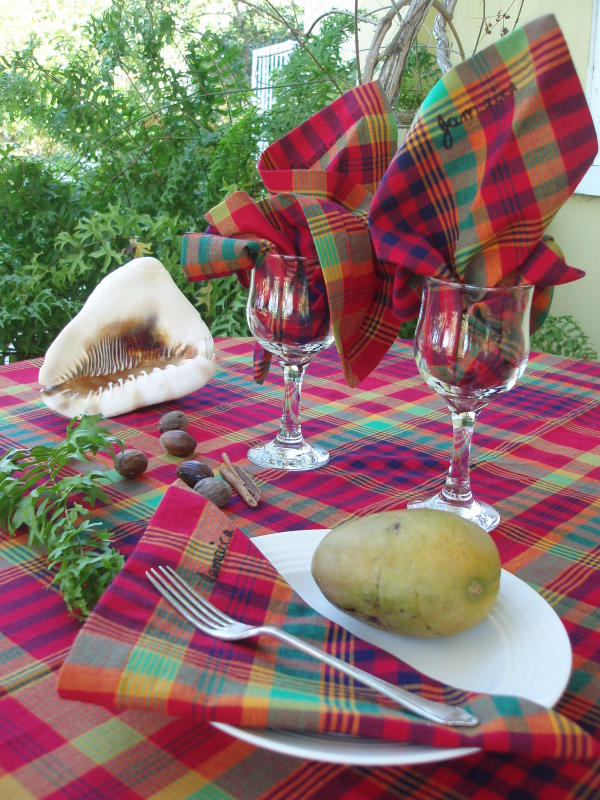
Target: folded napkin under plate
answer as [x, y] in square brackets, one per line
[136, 651]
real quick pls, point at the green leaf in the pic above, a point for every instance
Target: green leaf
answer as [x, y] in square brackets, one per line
[37, 493]
[561, 335]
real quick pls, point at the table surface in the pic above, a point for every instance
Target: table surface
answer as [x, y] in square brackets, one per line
[536, 457]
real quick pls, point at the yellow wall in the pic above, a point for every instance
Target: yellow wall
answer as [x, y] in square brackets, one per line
[576, 226]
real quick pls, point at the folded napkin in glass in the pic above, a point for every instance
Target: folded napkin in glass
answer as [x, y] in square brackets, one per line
[321, 177]
[136, 651]
[498, 145]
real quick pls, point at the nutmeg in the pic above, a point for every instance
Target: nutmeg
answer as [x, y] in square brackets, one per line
[193, 471]
[178, 443]
[173, 421]
[131, 463]
[215, 489]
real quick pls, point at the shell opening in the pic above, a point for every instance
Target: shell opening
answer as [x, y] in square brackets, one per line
[119, 356]
[137, 341]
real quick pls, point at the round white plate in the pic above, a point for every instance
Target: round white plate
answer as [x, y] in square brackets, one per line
[521, 648]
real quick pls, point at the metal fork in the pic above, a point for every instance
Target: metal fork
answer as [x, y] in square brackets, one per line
[213, 622]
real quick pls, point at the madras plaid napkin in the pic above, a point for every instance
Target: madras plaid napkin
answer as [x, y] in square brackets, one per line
[497, 147]
[135, 651]
[321, 177]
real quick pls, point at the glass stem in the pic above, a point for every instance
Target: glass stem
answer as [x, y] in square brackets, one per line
[290, 431]
[457, 488]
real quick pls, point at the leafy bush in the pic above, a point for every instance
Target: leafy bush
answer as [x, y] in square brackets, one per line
[420, 75]
[563, 336]
[132, 132]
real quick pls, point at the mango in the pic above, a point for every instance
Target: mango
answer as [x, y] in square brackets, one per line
[416, 572]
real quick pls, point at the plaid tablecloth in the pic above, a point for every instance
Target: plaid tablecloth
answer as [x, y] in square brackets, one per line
[537, 457]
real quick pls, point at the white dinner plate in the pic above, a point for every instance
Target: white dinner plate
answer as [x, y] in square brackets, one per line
[521, 648]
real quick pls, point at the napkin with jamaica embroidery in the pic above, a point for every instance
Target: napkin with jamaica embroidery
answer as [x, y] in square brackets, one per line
[136, 651]
[498, 145]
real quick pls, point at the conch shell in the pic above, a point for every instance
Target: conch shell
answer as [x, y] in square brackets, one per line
[136, 341]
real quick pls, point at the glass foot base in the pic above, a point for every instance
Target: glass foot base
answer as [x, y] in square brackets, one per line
[302, 456]
[481, 514]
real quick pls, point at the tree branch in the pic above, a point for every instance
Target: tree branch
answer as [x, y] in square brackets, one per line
[396, 53]
[445, 11]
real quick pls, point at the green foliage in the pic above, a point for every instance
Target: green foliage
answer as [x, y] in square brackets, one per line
[420, 75]
[134, 130]
[563, 336]
[45, 293]
[36, 206]
[30, 312]
[407, 329]
[234, 164]
[41, 489]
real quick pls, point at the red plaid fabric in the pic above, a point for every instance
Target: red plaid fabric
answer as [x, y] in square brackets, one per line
[497, 147]
[135, 651]
[321, 178]
[535, 457]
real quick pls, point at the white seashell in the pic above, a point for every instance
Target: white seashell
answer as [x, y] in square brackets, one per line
[136, 341]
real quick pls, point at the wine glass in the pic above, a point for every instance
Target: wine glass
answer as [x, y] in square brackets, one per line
[288, 315]
[471, 343]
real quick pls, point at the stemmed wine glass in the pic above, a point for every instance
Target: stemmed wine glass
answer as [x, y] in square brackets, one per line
[471, 343]
[288, 315]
